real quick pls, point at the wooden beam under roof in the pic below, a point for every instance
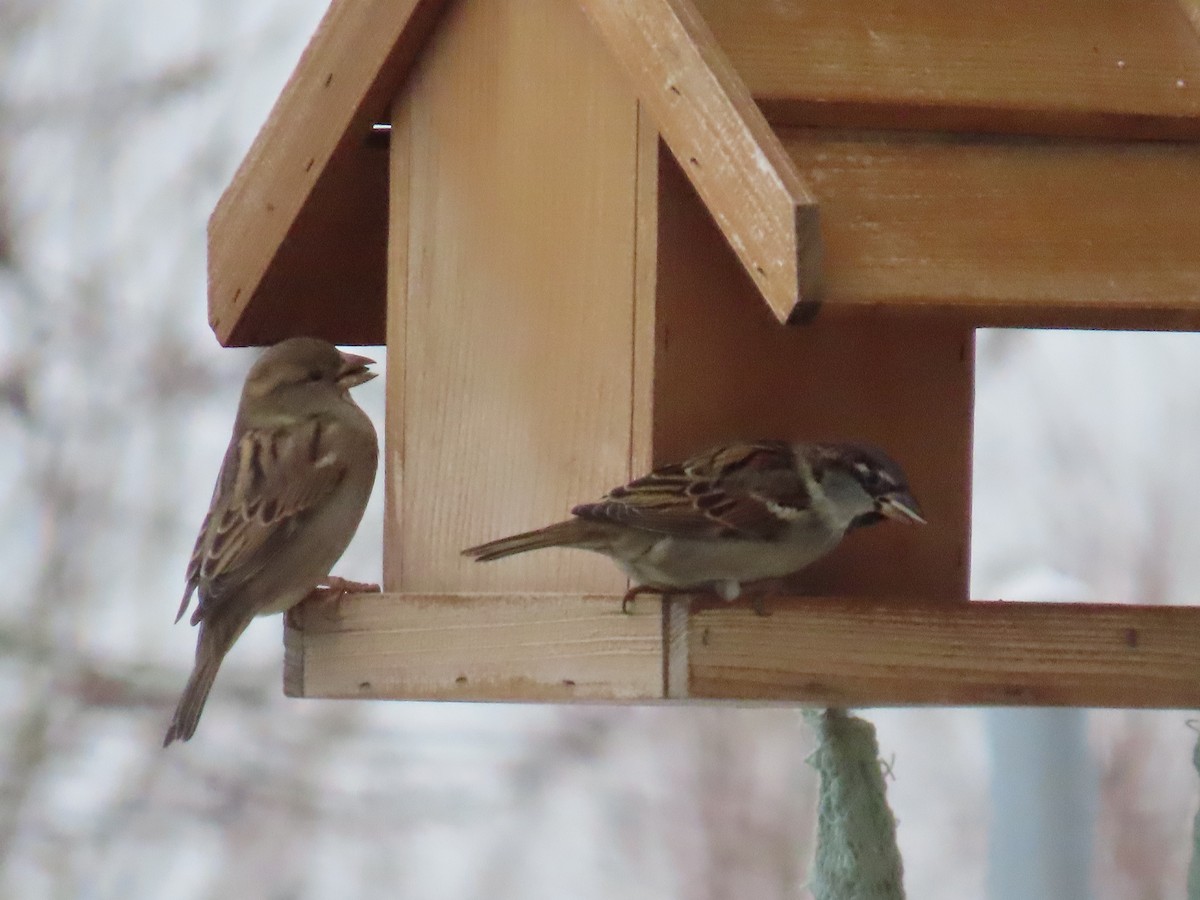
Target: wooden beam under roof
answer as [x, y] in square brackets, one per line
[1123, 69]
[1005, 231]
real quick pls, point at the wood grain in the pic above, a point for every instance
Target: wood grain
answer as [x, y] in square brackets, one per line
[297, 242]
[1110, 68]
[1008, 231]
[482, 647]
[399, 214]
[710, 122]
[1191, 9]
[645, 294]
[846, 652]
[520, 304]
[726, 370]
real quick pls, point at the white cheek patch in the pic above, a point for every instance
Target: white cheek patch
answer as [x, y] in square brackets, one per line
[787, 513]
[325, 461]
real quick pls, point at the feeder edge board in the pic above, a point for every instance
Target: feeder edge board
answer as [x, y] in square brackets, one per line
[847, 652]
[530, 647]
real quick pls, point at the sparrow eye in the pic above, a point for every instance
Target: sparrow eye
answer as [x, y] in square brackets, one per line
[314, 375]
[872, 479]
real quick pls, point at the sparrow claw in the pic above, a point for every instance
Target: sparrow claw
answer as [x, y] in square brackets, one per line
[330, 596]
[344, 586]
[631, 595]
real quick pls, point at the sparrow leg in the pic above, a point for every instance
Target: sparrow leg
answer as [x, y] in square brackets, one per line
[631, 594]
[760, 590]
[292, 617]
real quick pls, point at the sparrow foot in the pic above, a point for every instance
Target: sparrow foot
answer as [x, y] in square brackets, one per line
[631, 595]
[329, 597]
[760, 590]
[342, 586]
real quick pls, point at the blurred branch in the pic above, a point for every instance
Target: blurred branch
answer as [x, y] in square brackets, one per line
[109, 104]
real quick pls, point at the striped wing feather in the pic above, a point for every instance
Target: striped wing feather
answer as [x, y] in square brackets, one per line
[744, 491]
[269, 481]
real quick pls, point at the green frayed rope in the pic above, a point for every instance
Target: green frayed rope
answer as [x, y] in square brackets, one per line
[1193, 883]
[857, 857]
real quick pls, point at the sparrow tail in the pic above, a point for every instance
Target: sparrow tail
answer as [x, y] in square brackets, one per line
[210, 652]
[571, 533]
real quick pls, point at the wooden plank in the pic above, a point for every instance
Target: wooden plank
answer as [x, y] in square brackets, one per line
[1111, 68]
[520, 302]
[645, 292]
[726, 370]
[1191, 9]
[297, 242]
[1008, 231]
[845, 652]
[851, 652]
[482, 647]
[710, 122]
[399, 211]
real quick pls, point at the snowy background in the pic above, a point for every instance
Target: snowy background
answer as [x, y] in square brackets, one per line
[120, 123]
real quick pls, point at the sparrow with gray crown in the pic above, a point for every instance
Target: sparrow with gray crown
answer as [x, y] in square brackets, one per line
[735, 514]
[291, 491]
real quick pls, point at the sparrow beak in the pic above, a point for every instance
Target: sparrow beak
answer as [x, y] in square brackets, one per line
[354, 371]
[902, 507]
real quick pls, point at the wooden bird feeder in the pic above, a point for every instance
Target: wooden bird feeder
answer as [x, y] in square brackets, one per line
[602, 234]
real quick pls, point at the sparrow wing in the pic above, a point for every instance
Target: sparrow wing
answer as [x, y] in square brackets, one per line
[270, 481]
[749, 491]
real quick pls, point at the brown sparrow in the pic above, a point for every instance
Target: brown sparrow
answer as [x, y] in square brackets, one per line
[735, 514]
[290, 494]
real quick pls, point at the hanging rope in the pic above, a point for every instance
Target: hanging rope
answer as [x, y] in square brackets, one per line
[1193, 882]
[857, 857]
